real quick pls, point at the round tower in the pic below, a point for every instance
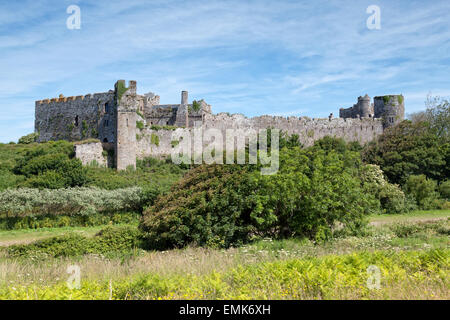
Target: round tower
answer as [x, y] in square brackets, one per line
[364, 106]
[390, 108]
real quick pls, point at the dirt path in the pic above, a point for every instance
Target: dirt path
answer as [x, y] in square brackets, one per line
[408, 220]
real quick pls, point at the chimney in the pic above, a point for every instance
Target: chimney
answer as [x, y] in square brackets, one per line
[184, 97]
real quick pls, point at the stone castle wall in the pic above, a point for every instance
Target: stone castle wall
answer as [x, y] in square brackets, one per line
[160, 143]
[90, 153]
[75, 118]
[113, 116]
[361, 130]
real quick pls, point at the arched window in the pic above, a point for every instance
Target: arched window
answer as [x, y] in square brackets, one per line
[105, 140]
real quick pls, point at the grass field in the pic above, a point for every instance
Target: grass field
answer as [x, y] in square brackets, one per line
[411, 251]
[415, 216]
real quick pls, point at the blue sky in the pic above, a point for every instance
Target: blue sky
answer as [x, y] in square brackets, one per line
[252, 57]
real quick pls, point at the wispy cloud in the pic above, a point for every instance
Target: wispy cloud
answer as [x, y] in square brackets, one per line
[255, 57]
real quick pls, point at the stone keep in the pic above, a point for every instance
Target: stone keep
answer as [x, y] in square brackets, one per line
[130, 126]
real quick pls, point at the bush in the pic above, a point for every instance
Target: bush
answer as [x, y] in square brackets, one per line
[424, 230]
[224, 205]
[390, 196]
[51, 166]
[29, 138]
[72, 201]
[58, 221]
[409, 149]
[444, 189]
[108, 241]
[423, 190]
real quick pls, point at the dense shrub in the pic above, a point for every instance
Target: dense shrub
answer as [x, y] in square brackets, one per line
[51, 165]
[410, 149]
[72, 201]
[224, 205]
[424, 230]
[57, 221]
[444, 189]
[29, 138]
[391, 198]
[106, 242]
[423, 190]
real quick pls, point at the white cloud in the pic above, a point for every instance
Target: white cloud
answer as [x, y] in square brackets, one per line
[254, 57]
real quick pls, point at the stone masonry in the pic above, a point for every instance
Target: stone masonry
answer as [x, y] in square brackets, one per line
[129, 126]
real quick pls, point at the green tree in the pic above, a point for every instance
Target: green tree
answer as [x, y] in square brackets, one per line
[409, 149]
[423, 190]
[227, 205]
[29, 138]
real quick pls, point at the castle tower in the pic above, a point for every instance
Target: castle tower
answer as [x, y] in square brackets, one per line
[390, 108]
[364, 106]
[125, 142]
[182, 117]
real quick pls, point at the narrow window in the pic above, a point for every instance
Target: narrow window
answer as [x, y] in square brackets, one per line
[106, 123]
[76, 121]
[106, 107]
[127, 122]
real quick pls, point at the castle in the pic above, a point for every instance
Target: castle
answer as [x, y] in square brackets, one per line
[130, 126]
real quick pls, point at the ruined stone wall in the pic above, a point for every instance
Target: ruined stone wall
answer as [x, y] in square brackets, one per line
[361, 130]
[75, 118]
[161, 115]
[155, 143]
[91, 153]
[159, 143]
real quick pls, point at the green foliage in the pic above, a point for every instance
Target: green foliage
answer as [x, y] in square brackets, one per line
[150, 173]
[166, 127]
[421, 274]
[423, 190]
[29, 138]
[70, 201]
[58, 221]
[86, 141]
[196, 105]
[405, 230]
[228, 205]
[51, 165]
[108, 241]
[444, 189]
[121, 89]
[140, 125]
[437, 115]
[391, 198]
[155, 139]
[288, 141]
[409, 149]
[140, 114]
